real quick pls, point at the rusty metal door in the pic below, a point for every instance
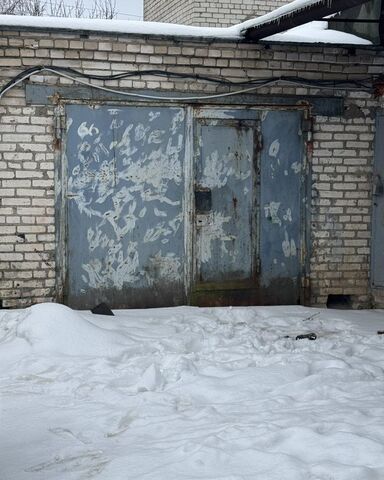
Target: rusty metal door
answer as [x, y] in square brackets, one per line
[124, 199]
[377, 257]
[225, 233]
[248, 212]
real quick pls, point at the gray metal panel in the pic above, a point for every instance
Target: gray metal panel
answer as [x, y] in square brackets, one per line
[280, 206]
[125, 206]
[225, 172]
[46, 95]
[363, 21]
[377, 259]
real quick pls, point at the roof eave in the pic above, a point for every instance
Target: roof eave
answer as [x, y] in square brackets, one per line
[299, 17]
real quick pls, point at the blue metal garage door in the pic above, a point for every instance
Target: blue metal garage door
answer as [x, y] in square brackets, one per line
[125, 206]
[168, 205]
[282, 207]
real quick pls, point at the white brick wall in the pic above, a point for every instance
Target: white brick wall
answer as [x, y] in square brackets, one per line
[211, 13]
[342, 153]
[342, 166]
[27, 246]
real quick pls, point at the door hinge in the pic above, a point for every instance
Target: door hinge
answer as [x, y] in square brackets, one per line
[306, 128]
[260, 143]
[59, 123]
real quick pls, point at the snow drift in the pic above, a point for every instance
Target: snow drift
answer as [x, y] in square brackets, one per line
[56, 328]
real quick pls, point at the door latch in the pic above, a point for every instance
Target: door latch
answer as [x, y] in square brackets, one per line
[203, 200]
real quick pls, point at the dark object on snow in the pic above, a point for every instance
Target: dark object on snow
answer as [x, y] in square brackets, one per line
[102, 309]
[380, 332]
[309, 336]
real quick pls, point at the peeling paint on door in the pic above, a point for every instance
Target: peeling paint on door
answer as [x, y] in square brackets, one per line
[281, 192]
[288, 246]
[271, 211]
[125, 190]
[274, 148]
[225, 235]
[134, 239]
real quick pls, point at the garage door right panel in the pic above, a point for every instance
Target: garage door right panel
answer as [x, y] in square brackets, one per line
[280, 207]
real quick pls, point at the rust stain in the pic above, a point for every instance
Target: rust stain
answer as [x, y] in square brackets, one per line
[281, 291]
[56, 144]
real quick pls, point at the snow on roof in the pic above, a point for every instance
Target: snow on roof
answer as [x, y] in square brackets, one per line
[313, 32]
[119, 26]
[316, 32]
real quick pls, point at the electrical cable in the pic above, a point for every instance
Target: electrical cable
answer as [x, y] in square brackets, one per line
[137, 95]
[165, 73]
[252, 84]
[156, 97]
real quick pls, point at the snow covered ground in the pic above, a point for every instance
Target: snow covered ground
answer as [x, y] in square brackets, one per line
[188, 393]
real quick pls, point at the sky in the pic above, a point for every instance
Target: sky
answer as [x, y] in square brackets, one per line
[127, 10]
[130, 10]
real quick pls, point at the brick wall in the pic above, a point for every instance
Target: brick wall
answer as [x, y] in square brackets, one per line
[207, 14]
[172, 11]
[342, 166]
[341, 160]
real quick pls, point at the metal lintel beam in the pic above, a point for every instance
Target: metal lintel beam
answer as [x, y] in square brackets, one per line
[48, 95]
[295, 18]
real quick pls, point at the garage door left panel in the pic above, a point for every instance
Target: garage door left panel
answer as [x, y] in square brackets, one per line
[124, 206]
